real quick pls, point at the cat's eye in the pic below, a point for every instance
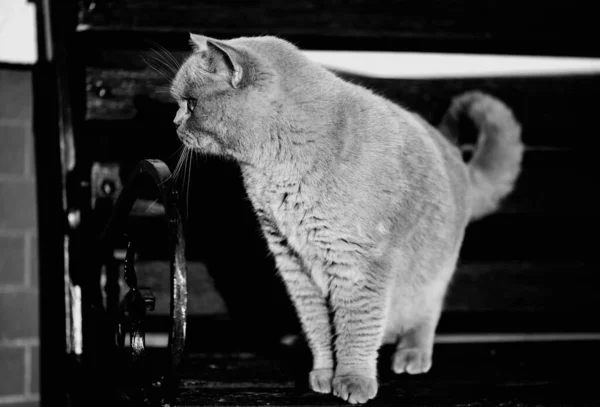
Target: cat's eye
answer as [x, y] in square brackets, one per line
[191, 104]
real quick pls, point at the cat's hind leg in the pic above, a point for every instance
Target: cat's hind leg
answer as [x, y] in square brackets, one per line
[415, 350]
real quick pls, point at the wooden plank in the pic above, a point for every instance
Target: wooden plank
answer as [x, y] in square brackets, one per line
[474, 374]
[524, 286]
[492, 286]
[555, 182]
[457, 25]
[554, 111]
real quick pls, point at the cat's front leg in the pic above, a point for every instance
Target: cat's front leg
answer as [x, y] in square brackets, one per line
[310, 303]
[359, 323]
[313, 312]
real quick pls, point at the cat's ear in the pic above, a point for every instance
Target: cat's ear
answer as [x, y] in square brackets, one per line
[211, 48]
[198, 43]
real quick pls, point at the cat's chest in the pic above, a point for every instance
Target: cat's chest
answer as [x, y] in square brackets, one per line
[294, 212]
[319, 231]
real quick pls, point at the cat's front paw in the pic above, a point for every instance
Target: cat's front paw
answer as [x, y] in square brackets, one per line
[411, 361]
[355, 389]
[320, 380]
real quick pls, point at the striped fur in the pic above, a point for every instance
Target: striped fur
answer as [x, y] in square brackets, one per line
[363, 204]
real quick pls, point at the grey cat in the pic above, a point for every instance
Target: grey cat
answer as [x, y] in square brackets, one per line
[363, 204]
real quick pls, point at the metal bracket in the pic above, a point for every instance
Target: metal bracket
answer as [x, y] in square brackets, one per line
[139, 300]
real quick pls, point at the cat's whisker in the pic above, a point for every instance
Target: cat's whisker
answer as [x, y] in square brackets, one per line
[192, 155]
[166, 67]
[166, 60]
[163, 90]
[183, 164]
[151, 205]
[183, 167]
[180, 162]
[177, 152]
[176, 170]
[162, 52]
[170, 56]
[181, 147]
[168, 76]
[185, 181]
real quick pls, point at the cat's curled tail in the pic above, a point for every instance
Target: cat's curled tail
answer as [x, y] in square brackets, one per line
[496, 161]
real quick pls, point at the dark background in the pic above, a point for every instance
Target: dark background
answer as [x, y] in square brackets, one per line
[529, 267]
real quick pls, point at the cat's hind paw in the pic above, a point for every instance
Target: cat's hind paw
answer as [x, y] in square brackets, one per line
[411, 361]
[320, 380]
[355, 389]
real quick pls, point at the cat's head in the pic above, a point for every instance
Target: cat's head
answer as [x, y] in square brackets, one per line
[225, 92]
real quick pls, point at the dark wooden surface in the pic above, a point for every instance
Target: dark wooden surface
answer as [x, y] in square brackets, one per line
[537, 27]
[521, 374]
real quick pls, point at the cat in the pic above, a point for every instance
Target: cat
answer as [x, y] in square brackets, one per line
[363, 203]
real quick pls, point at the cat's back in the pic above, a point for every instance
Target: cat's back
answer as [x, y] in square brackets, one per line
[378, 148]
[379, 137]
[393, 161]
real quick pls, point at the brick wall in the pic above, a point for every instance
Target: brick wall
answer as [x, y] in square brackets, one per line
[19, 344]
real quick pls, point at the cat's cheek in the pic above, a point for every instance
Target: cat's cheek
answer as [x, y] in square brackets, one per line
[187, 139]
[209, 146]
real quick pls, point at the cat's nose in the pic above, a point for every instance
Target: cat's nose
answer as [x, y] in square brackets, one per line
[177, 122]
[179, 117]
